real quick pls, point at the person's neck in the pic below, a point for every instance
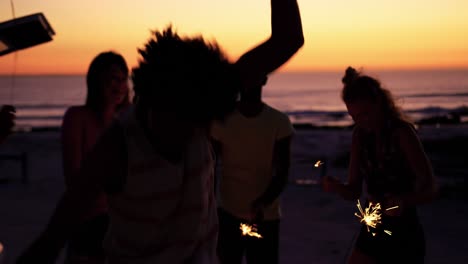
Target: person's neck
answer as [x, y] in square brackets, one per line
[163, 143]
[106, 115]
[109, 114]
[250, 109]
[171, 152]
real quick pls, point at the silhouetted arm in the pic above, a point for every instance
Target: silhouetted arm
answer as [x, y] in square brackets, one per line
[282, 163]
[101, 169]
[285, 40]
[72, 143]
[353, 188]
[425, 186]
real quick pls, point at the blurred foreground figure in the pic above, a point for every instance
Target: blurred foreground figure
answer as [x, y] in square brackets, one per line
[155, 163]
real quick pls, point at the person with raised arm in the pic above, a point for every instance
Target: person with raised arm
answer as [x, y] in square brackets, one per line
[253, 144]
[156, 162]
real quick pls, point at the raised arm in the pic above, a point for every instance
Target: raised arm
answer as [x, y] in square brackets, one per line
[285, 40]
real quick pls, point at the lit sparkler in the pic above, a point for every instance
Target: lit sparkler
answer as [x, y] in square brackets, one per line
[318, 163]
[248, 230]
[371, 216]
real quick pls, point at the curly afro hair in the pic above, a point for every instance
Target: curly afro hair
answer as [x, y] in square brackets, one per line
[187, 76]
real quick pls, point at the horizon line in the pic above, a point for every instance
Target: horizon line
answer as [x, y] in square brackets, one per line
[315, 70]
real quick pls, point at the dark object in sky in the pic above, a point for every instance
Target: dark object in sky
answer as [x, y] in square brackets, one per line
[24, 32]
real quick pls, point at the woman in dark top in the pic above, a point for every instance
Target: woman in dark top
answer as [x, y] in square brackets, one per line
[387, 155]
[107, 96]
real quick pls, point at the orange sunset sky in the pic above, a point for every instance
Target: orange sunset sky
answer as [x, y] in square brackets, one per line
[379, 34]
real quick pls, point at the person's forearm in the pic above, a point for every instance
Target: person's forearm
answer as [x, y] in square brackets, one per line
[346, 191]
[50, 242]
[274, 189]
[285, 40]
[286, 25]
[65, 218]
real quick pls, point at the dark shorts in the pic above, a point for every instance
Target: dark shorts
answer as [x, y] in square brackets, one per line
[87, 239]
[406, 244]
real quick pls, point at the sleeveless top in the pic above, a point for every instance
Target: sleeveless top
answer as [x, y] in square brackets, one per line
[389, 173]
[166, 212]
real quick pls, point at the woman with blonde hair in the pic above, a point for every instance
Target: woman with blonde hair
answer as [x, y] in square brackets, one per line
[386, 155]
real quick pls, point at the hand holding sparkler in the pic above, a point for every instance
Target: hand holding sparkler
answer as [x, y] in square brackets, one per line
[249, 230]
[256, 216]
[371, 216]
[257, 209]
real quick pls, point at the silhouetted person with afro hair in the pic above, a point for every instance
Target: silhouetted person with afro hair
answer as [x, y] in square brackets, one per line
[156, 162]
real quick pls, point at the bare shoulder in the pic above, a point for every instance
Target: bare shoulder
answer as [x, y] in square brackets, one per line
[78, 115]
[406, 132]
[76, 112]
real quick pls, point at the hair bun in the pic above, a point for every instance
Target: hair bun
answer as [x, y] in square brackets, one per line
[350, 76]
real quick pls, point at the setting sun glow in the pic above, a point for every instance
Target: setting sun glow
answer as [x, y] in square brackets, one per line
[378, 34]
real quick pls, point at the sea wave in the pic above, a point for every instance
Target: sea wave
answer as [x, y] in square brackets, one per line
[50, 115]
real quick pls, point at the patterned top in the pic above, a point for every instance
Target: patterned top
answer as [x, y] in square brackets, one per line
[166, 212]
[385, 170]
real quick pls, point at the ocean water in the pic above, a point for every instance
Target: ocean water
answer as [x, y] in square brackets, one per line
[308, 97]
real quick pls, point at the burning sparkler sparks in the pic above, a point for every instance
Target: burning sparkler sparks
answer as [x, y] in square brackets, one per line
[371, 216]
[318, 163]
[248, 230]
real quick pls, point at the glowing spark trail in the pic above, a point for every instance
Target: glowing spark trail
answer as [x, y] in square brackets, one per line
[391, 208]
[318, 163]
[248, 230]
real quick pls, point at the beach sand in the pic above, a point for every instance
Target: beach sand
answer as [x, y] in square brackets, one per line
[316, 227]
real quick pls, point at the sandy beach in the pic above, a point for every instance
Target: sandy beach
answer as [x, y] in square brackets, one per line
[317, 227]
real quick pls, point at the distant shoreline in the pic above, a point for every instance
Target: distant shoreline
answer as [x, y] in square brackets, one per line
[298, 126]
[367, 69]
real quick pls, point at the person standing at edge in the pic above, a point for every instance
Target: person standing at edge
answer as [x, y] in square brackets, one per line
[107, 96]
[388, 156]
